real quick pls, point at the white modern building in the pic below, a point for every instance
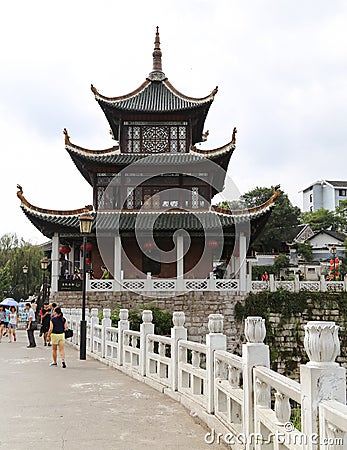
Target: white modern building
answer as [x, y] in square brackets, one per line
[324, 194]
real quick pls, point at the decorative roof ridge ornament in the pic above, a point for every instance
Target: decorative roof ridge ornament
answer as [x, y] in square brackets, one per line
[51, 212]
[256, 209]
[216, 151]
[73, 147]
[67, 137]
[208, 97]
[233, 138]
[157, 73]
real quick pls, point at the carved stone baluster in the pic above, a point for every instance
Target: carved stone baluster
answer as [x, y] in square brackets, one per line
[282, 408]
[195, 359]
[255, 330]
[215, 323]
[161, 349]
[183, 355]
[262, 393]
[233, 376]
[150, 345]
[134, 341]
[321, 342]
[335, 437]
[178, 319]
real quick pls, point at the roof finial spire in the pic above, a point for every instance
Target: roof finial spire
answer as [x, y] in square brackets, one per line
[157, 67]
[157, 73]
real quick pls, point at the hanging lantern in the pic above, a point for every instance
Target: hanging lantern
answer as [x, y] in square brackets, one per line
[212, 244]
[89, 247]
[64, 249]
[88, 260]
[337, 261]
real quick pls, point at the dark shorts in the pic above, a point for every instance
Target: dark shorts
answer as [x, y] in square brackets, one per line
[44, 328]
[2, 323]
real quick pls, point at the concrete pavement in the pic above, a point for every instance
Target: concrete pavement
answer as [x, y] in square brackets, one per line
[86, 406]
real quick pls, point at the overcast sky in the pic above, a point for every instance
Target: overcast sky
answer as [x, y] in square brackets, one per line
[281, 68]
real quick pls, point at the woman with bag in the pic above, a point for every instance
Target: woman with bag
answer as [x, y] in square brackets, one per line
[56, 331]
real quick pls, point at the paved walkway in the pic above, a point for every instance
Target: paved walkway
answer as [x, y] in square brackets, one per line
[86, 406]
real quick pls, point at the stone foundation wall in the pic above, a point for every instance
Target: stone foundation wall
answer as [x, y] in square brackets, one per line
[196, 306]
[285, 335]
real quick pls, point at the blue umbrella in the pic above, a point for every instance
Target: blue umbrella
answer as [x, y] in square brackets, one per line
[9, 302]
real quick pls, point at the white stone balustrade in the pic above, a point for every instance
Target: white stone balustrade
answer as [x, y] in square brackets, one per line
[231, 392]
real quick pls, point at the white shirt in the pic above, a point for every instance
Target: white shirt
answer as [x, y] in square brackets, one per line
[31, 315]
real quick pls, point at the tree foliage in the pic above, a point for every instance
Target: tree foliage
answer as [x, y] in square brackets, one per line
[14, 254]
[322, 219]
[281, 262]
[281, 226]
[305, 250]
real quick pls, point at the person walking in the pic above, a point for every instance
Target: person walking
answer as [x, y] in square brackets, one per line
[46, 316]
[12, 324]
[56, 332]
[31, 325]
[2, 320]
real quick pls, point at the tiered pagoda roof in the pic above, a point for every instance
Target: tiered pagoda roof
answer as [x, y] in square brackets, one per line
[156, 95]
[156, 99]
[49, 221]
[87, 160]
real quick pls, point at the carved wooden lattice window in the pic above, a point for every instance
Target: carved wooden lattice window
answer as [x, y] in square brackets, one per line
[195, 198]
[156, 138]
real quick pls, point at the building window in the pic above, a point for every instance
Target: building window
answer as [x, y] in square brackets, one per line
[311, 198]
[342, 192]
[155, 137]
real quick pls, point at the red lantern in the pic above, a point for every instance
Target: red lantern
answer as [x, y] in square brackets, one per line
[89, 247]
[337, 260]
[149, 245]
[88, 260]
[212, 244]
[64, 249]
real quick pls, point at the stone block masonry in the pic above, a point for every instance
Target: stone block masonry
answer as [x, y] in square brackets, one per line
[285, 337]
[195, 305]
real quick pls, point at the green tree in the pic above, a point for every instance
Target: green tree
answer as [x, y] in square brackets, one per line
[322, 219]
[341, 214]
[14, 254]
[305, 250]
[281, 226]
[281, 262]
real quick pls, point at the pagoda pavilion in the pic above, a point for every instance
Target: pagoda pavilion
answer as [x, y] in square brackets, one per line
[152, 194]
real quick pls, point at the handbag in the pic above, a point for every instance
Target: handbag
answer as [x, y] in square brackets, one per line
[33, 326]
[68, 333]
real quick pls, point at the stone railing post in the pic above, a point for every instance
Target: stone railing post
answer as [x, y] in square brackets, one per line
[215, 340]
[177, 332]
[146, 327]
[254, 353]
[106, 322]
[323, 284]
[94, 320]
[321, 378]
[345, 283]
[272, 283]
[123, 324]
[296, 283]
[249, 282]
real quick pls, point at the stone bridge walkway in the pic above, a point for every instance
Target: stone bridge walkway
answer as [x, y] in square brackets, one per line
[86, 406]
